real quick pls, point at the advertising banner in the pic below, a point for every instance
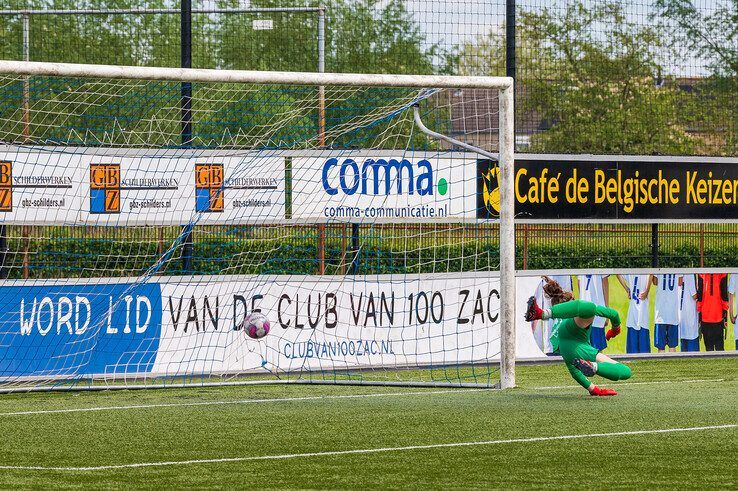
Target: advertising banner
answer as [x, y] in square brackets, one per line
[73, 329]
[601, 188]
[371, 186]
[55, 187]
[162, 187]
[191, 326]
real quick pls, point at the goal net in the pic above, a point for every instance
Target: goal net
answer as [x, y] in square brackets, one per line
[147, 213]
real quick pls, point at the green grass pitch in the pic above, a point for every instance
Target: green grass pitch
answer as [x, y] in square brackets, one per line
[326, 435]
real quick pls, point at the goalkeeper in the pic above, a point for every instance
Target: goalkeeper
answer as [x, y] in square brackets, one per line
[570, 337]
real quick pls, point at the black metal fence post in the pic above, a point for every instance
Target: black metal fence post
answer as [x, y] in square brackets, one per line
[186, 114]
[355, 248]
[510, 28]
[511, 69]
[655, 245]
[3, 252]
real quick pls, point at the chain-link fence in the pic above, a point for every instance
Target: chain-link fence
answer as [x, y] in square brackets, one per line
[79, 252]
[620, 77]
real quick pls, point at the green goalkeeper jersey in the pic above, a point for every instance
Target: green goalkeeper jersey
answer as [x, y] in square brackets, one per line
[566, 330]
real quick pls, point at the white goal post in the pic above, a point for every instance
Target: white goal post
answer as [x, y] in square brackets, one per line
[505, 155]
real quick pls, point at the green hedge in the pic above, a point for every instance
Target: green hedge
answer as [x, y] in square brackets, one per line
[88, 258]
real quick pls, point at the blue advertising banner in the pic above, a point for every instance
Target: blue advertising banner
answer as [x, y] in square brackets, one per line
[63, 330]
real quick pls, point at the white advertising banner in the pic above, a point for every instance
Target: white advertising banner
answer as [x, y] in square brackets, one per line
[58, 187]
[119, 187]
[181, 326]
[370, 186]
[323, 323]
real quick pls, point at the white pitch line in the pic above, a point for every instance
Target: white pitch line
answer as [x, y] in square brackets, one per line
[618, 384]
[239, 401]
[363, 450]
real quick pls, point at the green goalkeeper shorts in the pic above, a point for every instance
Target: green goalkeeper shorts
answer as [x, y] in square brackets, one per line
[571, 350]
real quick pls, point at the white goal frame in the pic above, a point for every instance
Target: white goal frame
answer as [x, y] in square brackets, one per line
[504, 85]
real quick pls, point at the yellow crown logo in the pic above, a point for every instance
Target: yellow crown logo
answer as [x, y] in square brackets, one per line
[491, 191]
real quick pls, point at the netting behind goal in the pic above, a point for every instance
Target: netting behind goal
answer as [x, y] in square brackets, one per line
[143, 221]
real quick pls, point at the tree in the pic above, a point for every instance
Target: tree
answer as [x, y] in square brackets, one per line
[361, 36]
[373, 36]
[486, 54]
[290, 45]
[599, 91]
[713, 37]
[96, 113]
[608, 93]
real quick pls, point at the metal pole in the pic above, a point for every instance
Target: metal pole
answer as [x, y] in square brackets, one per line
[186, 62]
[26, 82]
[26, 257]
[510, 62]
[321, 126]
[26, 130]
[321, 248]
[507, 202]
[321, 69]
[507, 238]
[257, 10]
[3, 252]
[354, 248]
[525, 246]
[453, 141]
[249, 77]
[655, 245]
[344, 247]
[510, 28]
[507, 225]
[186, 112]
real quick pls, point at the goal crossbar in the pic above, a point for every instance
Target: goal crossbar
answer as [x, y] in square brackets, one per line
[248, 76]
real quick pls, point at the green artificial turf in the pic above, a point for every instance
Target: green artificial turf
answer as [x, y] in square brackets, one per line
[663, 394]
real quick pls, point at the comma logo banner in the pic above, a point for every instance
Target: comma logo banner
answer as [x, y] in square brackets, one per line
[374, 185]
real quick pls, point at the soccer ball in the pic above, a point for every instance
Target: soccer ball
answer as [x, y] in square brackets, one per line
[256, 325]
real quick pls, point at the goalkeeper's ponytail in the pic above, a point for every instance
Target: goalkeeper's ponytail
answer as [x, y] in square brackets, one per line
[553, 290]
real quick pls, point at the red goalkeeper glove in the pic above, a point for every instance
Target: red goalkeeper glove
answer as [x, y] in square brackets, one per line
[601, 391]
[612, 332]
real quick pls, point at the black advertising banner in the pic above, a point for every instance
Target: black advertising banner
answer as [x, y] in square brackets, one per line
[570, 189]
